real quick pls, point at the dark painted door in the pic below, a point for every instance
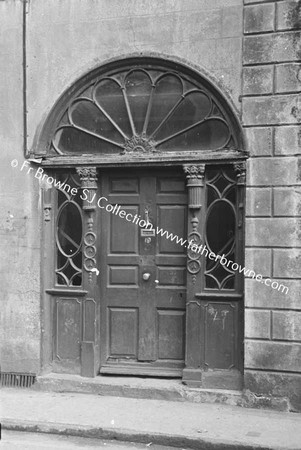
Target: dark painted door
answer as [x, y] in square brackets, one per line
[143, 276]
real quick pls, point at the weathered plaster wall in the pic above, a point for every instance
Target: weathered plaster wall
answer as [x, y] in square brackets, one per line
[272, 117]
[68, 38]
[19, 221]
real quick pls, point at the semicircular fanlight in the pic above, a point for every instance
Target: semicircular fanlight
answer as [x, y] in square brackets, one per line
[142, 110]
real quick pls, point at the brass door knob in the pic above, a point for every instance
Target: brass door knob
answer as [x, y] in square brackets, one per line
[146, 276]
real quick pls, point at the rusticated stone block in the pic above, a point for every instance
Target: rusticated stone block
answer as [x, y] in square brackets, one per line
[259, 202]
[260, 141]
[278, 232]
[272, 48]
[288, 78]
[288, 15]
[287, 201]
[273, 356]
[259, 260]
[272, 110]
[273, 171]
[281, 385]
[258, 80]
[257, 324]
[287, 262]
[259, 18]
[288, 140]
[287, 325]
[259, 295]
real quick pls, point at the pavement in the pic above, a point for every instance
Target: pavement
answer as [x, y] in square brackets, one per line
[184, 425]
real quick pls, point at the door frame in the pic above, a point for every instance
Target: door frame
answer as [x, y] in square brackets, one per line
[86, 298]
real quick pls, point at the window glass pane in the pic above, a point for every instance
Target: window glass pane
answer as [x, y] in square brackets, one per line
[109, 95]
[220, 227]
[194, 107]
[71, 140]
[210, 135]
[229, 283]
[86, 115]
[230, 195]
[69, 229]
[138, 88]
[167, 93]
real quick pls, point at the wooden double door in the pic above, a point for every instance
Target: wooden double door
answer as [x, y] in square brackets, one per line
[143, 274]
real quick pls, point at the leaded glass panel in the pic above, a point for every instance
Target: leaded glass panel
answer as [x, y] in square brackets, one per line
[220, 228]
[143, 109]
[69, 230]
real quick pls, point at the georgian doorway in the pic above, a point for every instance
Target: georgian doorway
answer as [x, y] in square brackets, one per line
[160, 141]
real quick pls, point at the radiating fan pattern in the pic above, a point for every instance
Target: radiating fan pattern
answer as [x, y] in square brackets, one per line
[142, 111]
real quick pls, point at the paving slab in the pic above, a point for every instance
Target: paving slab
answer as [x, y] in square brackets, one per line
[180, 424]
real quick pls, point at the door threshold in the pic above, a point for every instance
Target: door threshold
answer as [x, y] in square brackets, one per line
[141, 370]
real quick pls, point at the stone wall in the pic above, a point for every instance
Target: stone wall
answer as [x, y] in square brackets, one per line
[271, 117]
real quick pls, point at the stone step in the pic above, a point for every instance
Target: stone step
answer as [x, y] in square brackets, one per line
[136, 387]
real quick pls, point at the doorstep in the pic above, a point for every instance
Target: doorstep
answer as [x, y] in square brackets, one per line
[136, 387]
[155, 389]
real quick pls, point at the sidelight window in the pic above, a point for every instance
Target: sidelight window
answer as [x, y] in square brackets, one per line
[221, 233]
[68, 233]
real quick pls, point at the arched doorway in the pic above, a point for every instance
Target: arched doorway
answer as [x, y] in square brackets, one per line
[140, 142]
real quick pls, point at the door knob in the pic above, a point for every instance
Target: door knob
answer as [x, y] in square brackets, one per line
[146, 276]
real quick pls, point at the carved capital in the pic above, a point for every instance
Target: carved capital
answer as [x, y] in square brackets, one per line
[87, 173]
[194, 171]
[195, 183]
[88, 177]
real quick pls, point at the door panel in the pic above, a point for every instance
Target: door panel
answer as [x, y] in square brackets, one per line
[121, 228]
[143, 320]
[220, 335]
[171, 329]
[123, 326]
